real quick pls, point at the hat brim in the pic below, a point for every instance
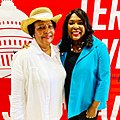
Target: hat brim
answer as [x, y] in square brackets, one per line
[26, 22]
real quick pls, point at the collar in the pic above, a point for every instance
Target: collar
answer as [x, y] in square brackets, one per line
[34, 47]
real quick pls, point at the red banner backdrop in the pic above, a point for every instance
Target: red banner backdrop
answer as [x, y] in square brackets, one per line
[105, 19]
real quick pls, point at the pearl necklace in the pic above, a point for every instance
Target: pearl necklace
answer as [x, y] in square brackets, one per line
[77, 48]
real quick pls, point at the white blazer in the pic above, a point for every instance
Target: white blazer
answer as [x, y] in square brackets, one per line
[37, 84]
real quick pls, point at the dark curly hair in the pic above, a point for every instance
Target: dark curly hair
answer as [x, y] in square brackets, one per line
[31, 28]
[87, 38]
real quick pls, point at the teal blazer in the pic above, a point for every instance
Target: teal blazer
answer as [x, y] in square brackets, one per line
[90, 78]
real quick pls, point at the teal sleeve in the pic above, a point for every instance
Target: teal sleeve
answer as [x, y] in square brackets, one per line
[103, 74]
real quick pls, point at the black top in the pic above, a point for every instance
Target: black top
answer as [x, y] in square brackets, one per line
[69, 65]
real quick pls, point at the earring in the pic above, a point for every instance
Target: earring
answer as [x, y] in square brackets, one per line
[33, 36]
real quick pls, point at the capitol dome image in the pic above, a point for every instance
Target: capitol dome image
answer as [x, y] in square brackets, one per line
[11, 36]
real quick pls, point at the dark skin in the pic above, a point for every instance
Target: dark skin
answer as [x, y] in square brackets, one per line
[27, 45]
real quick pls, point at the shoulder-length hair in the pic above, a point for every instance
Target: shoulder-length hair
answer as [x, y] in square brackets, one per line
[87, 38]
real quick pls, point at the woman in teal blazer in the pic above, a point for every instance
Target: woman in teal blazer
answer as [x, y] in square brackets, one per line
[87, 63]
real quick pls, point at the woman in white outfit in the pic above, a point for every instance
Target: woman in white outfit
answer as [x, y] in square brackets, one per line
[37, 83]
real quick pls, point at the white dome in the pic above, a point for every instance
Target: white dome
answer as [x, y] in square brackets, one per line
[11, 35]
[7, 6]
[10, 15]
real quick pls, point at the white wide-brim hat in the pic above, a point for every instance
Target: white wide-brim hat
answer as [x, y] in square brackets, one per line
[41, 13]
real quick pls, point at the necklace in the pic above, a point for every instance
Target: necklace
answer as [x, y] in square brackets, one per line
[46, 50]
[77, 48]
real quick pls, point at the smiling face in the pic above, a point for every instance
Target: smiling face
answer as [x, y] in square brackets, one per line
[76, 28]
[44, 32]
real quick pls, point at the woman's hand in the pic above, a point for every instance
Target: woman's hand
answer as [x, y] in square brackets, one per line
[27, 45]
[92, 110]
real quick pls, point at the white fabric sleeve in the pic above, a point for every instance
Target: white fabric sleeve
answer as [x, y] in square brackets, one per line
[17, 100]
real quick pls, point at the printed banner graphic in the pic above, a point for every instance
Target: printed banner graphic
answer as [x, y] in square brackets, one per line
[104, 18]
